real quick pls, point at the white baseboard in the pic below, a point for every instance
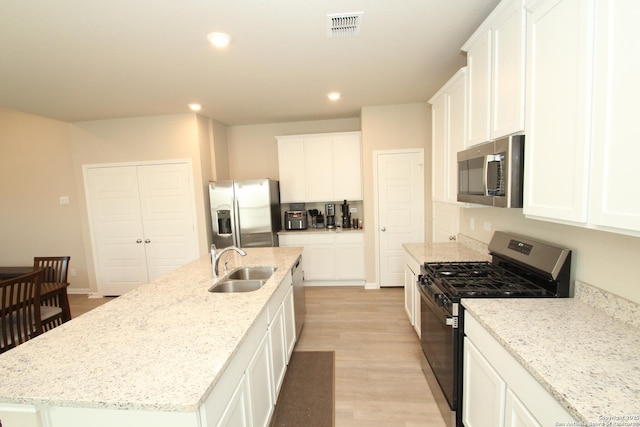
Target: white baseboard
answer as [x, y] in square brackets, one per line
[78, 291]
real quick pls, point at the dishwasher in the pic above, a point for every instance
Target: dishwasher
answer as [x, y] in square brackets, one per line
[299, 304]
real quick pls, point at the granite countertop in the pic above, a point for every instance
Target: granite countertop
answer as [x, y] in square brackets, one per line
[466, 250]
[322, 231]
[583, 356]
[161, 346]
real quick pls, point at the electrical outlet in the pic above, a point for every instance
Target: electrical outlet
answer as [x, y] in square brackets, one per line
[487, 226]
[353, 210]
[72, 272]
[64, 200]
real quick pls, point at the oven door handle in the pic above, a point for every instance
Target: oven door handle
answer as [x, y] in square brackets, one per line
[446, 319]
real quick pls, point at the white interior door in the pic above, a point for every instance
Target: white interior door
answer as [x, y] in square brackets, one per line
[142, 223]
[116, 228]
[399, 209]
[167, 217]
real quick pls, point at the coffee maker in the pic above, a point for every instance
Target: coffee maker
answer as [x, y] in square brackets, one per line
[346, 215]
[330, 210]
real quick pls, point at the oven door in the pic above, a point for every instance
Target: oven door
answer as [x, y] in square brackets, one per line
[440, 343]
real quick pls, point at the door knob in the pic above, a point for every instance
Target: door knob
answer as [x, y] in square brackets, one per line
[139, 241]
[383, 229]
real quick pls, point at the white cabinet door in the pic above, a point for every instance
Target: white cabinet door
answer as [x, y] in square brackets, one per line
[615, 129]
[260, 385]
[291, 168]
[142, 222]
[496, 67]
[278, 349]
[349, 256]
[457, 127]
[236, 414]
[448, 114]
[347, 166]
[508, 71]
[320, 262]
[557, 148]
[483, 390]
[439, 137]
[409, 291]
[319, 168]
[517, 415]
[479, 89]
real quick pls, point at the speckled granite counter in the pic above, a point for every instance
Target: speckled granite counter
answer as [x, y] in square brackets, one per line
[447, 252]
[582, 356]
[161, 346]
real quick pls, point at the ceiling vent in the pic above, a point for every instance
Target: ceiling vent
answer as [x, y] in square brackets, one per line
[344, 24]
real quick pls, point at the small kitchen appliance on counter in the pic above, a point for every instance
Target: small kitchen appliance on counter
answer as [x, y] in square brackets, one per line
[330, 209]
[346, 216]
[520, 268]
[295, 220]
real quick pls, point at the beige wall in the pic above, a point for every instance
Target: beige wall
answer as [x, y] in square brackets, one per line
[36, 169]
[253, 151]
[605, 260]
[144, 139]
[388, 128]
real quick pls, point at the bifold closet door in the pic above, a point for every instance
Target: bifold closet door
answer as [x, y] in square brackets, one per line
[142, 223]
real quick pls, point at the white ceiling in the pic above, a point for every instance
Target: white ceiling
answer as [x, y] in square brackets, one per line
[76, 60]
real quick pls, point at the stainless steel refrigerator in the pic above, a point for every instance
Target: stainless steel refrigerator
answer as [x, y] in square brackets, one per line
[245, 213]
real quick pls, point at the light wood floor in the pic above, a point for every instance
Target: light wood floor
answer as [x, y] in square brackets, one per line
[379, 380]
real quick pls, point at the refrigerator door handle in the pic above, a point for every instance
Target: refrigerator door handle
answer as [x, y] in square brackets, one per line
[236, 226]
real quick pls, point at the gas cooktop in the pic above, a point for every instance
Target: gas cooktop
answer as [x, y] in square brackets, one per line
[480, 279]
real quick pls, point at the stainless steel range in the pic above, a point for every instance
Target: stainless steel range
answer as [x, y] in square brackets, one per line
[520, 268]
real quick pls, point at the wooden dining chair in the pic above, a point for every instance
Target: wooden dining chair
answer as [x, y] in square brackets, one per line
[55, 304]
[20, 309]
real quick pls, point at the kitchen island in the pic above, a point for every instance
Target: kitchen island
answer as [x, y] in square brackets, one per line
[166, 353]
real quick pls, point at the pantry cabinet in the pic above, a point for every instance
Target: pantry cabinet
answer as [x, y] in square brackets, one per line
[320, 167]
[329, 256]
[496, 74]
[448, 113]
[497, 390]
[581, 132]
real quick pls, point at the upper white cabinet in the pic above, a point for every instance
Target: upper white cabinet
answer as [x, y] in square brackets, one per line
[496, 74]
[615, 148]
[558, 108]
[448, 107]
[320, 167]
[581, 135]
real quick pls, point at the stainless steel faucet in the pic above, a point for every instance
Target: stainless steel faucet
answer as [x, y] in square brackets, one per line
[215, 256]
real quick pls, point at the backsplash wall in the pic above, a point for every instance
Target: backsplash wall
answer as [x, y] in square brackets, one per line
[602, 259]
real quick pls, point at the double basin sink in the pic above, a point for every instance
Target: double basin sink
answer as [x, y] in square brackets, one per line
[244, 279]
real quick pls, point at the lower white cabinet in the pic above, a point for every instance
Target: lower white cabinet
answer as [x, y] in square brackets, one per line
[260, 384]
[237, 413]
[329, 256]
[484, 390]
[411, 292]
[498, 390]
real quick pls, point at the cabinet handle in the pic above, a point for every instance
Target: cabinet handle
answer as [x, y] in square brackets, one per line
[452, 238]
[383, 229]
[147, 241]
[139, 241]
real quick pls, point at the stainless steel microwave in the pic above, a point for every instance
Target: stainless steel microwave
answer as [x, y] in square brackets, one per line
[492, 173]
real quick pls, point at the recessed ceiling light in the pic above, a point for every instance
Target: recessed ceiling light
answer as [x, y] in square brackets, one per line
[195, 107]
[219, 39]
[334, 96]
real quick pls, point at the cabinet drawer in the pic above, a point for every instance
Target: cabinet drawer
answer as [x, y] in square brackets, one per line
[349, 237]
